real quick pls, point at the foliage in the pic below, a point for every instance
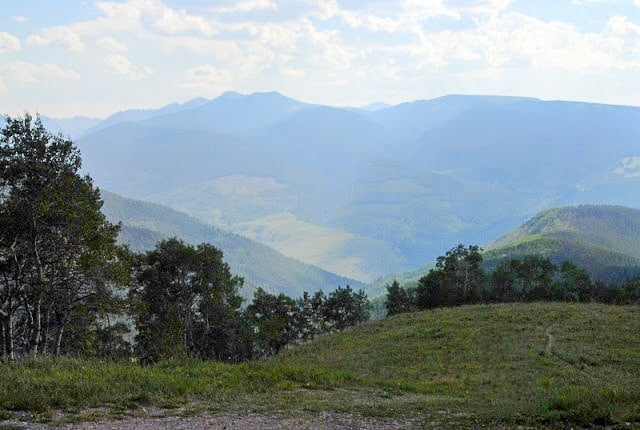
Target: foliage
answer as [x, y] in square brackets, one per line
[399, 300]
[186, 303]
[278, 321]
[273, 318]
[59, 263]
[345, 308]
[458, 278]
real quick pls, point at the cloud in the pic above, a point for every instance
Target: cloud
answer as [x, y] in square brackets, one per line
[8, 43]
[136, 14]
[28, 73]
[3, 87]
[122, 66]
[19, 18]
[335, 50]
[57, 36]
[247, 6]
[630, 167]
[207, 77]
[111, 44]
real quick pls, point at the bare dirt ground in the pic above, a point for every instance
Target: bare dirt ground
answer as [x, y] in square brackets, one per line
[331, 421]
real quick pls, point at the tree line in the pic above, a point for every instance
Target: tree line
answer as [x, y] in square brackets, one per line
[458, 279]
[67, 287]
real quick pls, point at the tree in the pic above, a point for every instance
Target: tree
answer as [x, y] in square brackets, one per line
[273, 319]
[505, 281]
[58, 252]
[186, 303]
[345, 308]
[456, 279]
[574, 284]
[537, 275]
[399, 300]
[309, 318]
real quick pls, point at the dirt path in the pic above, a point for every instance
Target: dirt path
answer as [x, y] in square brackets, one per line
[332, 421]
[551, 341]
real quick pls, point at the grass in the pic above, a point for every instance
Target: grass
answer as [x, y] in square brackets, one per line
[536, 364]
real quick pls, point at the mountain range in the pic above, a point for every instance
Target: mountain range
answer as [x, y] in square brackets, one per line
[366, 192]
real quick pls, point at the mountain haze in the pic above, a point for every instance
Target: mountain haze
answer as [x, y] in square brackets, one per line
[371, 192]
[146, 223]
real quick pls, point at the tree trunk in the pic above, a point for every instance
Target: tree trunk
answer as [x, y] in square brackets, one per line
[7, 335]
[59, 332]
[38, 327]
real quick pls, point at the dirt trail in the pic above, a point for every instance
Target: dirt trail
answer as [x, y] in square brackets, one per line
[332, 421]
[551, 341]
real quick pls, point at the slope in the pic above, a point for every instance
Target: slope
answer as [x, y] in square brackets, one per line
[605, 240]
[534, 365]
[516, 362]
[260, 265]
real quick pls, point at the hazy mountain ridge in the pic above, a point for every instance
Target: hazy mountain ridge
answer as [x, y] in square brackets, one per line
[261, 266]
[416, 177]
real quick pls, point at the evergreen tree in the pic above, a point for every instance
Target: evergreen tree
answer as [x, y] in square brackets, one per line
[399, 300]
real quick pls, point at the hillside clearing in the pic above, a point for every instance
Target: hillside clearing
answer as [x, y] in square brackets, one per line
[501, 365]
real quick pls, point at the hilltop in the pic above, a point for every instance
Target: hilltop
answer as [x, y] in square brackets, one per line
[536, 364]
[515, 362]
[605, 240]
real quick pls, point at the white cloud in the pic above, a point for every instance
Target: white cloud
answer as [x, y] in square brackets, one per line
[341, 49]
[136, 14]
[207, 77]
[247, 6]
[122, 66]
[27, 73]
[3, 87]
[8, 43]
[175, 22]
[629, 168]
[19, 18]
[57, 36]
[111, 44]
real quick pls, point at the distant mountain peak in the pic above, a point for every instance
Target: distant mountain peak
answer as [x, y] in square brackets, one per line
[229, 95]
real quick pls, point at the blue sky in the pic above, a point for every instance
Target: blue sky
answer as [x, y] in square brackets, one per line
[93, 58]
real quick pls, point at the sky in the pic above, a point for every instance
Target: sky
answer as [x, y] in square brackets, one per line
[93, 58]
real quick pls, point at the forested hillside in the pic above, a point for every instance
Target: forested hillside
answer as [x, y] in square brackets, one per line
[146, 223]
[605, 240]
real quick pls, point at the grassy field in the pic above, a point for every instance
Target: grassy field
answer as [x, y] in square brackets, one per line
[534, 364]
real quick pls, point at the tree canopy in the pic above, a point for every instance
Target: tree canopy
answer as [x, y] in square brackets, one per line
[59, 263]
